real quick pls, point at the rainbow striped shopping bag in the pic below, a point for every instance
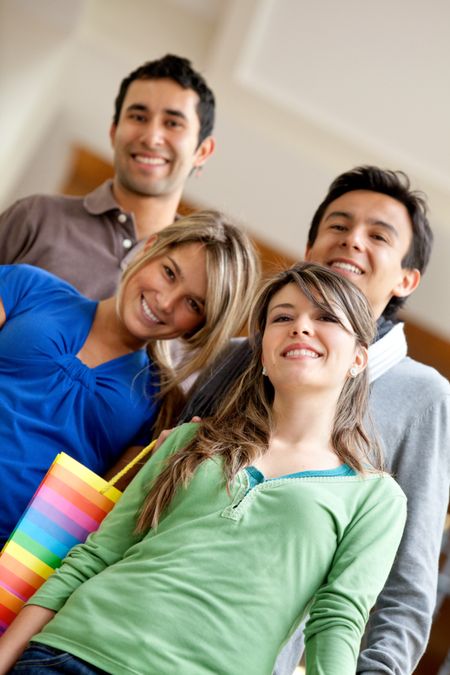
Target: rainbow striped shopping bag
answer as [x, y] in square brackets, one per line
[69, 504]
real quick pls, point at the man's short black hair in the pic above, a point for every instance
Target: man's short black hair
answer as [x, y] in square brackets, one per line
[179, 70]
[395, 184]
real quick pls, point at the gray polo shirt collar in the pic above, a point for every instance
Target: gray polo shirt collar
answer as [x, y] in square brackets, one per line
[101, 200]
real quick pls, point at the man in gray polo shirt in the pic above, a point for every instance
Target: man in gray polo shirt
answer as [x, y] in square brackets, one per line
[161, 133]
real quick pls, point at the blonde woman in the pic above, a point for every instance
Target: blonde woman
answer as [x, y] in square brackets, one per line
[75, 374]
[257, 516]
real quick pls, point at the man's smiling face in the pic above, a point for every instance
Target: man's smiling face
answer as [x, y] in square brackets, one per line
[364, 236]
[156, 141]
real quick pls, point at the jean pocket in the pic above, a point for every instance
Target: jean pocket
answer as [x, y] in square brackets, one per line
[43, 656]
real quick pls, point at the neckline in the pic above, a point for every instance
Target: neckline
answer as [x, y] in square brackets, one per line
[341, 470]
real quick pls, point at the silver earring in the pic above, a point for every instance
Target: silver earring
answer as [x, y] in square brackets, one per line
[264, 371]
[353, 371]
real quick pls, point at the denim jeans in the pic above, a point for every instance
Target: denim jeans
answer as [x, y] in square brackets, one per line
[40, 659]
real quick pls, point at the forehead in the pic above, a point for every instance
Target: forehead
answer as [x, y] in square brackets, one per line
[162, 94]
[371, 207]
[290, 294]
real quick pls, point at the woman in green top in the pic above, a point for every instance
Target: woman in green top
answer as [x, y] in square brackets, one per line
[272, 510]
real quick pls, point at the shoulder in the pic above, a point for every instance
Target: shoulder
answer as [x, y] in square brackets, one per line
[410, 383]
[384, 484]
[34, 278]
[377, 491]
[183, 434]
[43, 211]
[373, 481]
[410, 410]
[179, 438]
[44, 202]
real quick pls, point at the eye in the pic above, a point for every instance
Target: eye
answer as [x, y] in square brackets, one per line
[379, 237]
[281, 318]
[338, 227]
[173, 124]
[194, 306]
[137, 117]
[325, 316]
[170, 274]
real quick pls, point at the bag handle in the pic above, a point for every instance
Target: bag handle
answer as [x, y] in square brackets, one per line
[143, 453]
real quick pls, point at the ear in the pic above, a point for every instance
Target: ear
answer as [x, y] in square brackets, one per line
[112, 133]
[150, 241]
[204, 151]
[361, 359]
[408, 283]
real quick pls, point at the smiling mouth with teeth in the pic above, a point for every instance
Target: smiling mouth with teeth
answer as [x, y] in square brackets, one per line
[302, 352]
[151, 161]
[348, 267]
[148, 312]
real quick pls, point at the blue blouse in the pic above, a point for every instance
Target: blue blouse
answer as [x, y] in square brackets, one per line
[49, 400]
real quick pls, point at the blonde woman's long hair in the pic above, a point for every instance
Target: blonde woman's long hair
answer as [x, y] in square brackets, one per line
[240, 431]
[233, 273]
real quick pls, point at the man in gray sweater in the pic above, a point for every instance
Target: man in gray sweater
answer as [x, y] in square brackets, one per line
[373, 229]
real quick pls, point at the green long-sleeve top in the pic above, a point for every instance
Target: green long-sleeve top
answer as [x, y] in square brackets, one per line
[226, 577]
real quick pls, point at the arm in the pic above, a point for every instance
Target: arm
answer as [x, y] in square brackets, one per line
[102, 548]
[399, 626]
[13, 642]
[18, 283]
[15, 232]
[2, 313]
[359, 569]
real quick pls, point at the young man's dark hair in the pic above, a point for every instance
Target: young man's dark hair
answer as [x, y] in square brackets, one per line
[395, 184]
[179, 70]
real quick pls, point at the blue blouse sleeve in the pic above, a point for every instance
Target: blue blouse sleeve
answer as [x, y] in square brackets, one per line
[22, 285]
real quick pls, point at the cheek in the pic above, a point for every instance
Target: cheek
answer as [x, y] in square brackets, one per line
[186, 146]
[186, 321]
[265, 356]
[121, 137]
[269, 349]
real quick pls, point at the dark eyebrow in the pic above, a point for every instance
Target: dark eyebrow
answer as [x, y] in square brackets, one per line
[137, 106]
[175, 113]
[201, 301]
[371, 221]
[339, 214]
[141, 107]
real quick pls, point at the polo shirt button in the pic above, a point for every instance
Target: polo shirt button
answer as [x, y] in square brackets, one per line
[122, 218]
[127, 243]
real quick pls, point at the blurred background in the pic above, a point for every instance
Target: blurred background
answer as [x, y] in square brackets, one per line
[305, 90]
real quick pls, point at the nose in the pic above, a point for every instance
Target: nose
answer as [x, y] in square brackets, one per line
[302, 326]
[152, 133]
[166, 302]
[353, 239]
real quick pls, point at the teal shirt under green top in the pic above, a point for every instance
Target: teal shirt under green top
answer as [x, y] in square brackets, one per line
[255, 476]
[224, 580]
